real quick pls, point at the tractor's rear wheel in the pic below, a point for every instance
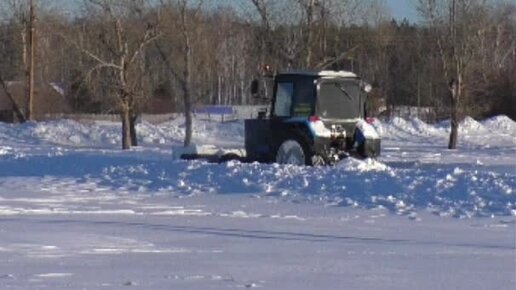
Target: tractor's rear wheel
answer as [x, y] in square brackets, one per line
[296, 152]
[291, 152]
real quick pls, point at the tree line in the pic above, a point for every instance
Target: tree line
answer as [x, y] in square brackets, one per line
[126, 56]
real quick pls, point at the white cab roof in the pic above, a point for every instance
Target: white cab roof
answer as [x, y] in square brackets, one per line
[324, 73]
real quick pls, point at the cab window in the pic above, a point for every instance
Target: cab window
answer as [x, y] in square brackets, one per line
[284, 93]
[303, 102]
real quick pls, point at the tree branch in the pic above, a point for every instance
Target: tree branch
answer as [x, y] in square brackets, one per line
[89, 53]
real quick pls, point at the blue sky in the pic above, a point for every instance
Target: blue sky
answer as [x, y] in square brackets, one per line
[403, 9]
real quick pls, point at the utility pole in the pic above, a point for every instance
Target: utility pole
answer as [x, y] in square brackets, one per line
[30, 60]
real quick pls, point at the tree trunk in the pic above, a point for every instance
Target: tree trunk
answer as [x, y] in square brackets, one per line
[132, 127]
[187, 99]
[452, 144]
[126, 134]
[187, 81]
[455, 86]
[188, 120]
[30, 62]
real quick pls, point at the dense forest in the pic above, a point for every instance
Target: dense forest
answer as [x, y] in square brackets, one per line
[135, 56]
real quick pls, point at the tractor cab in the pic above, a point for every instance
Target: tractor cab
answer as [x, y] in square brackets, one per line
[335, 98]
[314, 118]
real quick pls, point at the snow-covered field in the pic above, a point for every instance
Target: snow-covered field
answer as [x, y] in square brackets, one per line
[78, 213]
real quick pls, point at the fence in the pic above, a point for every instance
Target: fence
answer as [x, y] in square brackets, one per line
[236, 113]
[151, 118]
[227, 113]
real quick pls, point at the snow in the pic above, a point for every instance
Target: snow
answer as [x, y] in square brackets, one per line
[367, 130]
[212, 150]
[76, 212]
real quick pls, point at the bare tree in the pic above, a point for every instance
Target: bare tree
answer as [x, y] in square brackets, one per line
[457, 31]
[124, 41]
[309, 12]
[183, 75]
[262, 7]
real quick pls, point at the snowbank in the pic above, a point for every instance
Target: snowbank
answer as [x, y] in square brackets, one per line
[412, 174]
[107, 134]
[502, 124]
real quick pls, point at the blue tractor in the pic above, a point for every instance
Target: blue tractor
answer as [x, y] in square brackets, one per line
[315, 118]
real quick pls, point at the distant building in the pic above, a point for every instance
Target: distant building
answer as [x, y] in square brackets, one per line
[49, 98]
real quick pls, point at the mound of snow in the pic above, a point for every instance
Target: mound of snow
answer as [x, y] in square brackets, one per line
[401, 124]
[471, 126]
[502, 124]
[425, 129]
[204, 131]
[4, 150]
[442, 189]
[390, 128]
[69, 132]
[108, 134]
[397, 128]
[154, 134]
[369, 164]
